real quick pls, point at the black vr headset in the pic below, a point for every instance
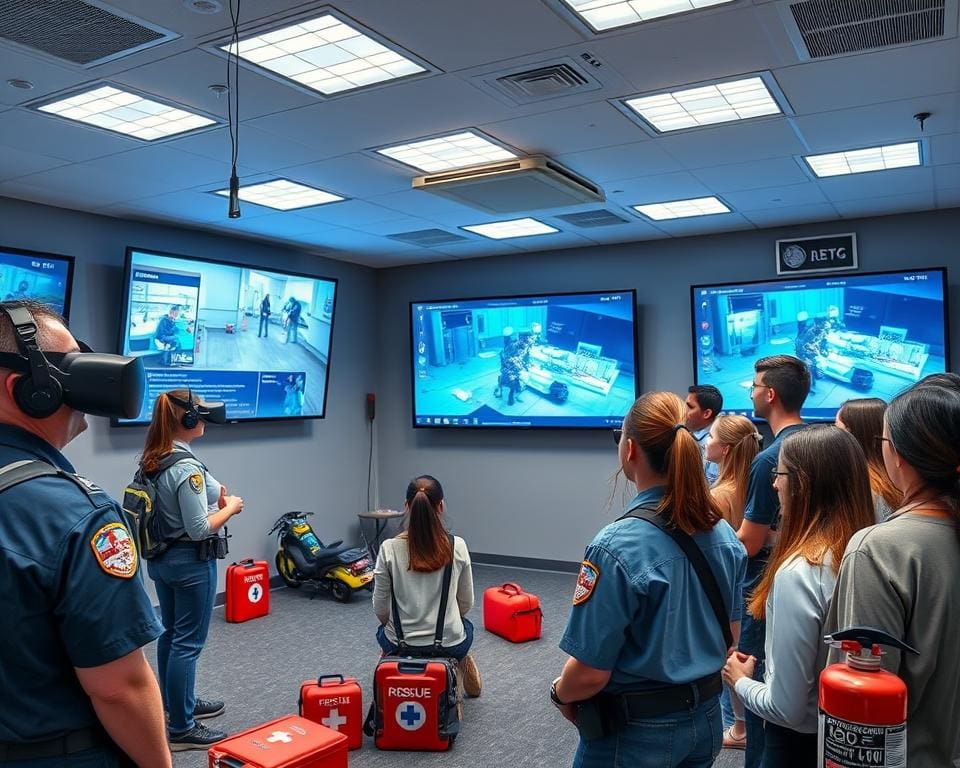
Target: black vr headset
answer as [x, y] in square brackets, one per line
[91, 382]
[196, 410]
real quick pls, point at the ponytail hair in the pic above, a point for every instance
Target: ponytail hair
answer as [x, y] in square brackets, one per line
[743, 440]
[163, 426]
[427, 541]
[655, 424]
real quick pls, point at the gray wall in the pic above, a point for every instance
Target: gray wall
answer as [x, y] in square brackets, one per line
[318, 465]
[544, 494]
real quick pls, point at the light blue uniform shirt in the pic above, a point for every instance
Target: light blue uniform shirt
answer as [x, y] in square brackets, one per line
[710, 469]
[648, 618]
[184, 502]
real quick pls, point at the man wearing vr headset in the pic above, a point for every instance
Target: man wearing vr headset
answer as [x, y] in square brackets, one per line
[78, 690]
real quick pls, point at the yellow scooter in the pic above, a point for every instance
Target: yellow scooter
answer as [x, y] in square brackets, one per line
[303, 559]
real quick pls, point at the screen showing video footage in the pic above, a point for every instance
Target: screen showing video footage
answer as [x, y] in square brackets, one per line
[561, 361]
[256, 339]
[862, 335]
[39, 277]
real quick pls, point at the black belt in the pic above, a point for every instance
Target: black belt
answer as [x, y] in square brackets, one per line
[675, 698]
[183, 544]
[71, 742]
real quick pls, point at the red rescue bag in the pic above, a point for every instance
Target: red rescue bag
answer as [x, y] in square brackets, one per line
[334, 701]
[513, 614]
[288, 742]
[415, 704]
[248, 590]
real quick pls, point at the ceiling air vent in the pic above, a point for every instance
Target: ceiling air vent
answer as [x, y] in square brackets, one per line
[84, 33]
[822, 28]
[524, 184]
[600, 217]
[547, 80]
[427, 237]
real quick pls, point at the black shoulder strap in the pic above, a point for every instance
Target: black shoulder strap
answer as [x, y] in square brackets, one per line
[20, 471]
[175, 456]
[441, 615]
[697, 559]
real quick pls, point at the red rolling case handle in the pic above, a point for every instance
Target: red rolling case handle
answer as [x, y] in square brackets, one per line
[511, 588]
[411, 667]
[248, 563]
[320, 679]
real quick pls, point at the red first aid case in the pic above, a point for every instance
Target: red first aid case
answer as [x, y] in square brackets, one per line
[288, 742]
[513, 614]
[334, 701]
[248, 590]
[415, 704]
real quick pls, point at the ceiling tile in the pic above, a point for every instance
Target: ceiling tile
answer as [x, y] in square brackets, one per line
[657, 189]
[701, 225]
[625, 161]
[47, 77]
[258, 150]
[949, 198]
[187, 205]
[881, 206]
[416, 202]
[19, 162]
[775, 197]
[752, 175]
[287, 224]
[736, 143]
[860, 186]
[792, 214]
[353, 175]
[947, 176]
[56, 137]
[350, 213]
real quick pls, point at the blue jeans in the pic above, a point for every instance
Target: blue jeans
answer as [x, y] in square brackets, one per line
[293, 328]
[88, 758]
[752, 637]
[678, 740]
[186, 588]
[457, 651]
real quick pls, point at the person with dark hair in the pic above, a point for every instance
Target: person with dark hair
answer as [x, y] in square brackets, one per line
[194, 507]
[167, 332]
[779, 389]
[704, 403]
[948, 379]
[77, 688]
[22, 292]
[410, 567]
[644, 639]
[264, 329]
[901, 576]
[824, 491]
[811, 345]
[293, 309]
[863, 418]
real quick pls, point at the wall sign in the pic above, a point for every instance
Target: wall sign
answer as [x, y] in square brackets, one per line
[828, 253]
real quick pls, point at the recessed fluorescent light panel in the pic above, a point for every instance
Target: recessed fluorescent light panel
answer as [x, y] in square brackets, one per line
[444, 153]
[127, 113]
[864, 160]
[706, 105]
[500, 230]
[682, 209]
[325, 54]
[283, 195]
[602, 15]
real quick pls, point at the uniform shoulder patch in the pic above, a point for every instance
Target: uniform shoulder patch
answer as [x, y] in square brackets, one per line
[115, 550]
[196, 483]
[586, 581]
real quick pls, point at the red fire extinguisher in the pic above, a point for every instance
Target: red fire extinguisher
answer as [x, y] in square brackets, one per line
[863, 708]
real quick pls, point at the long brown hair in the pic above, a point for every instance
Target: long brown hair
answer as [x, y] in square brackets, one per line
[163, 426]
[655, 424]
[829, 501]
[863, 418]
[427, 541]
[740, 434]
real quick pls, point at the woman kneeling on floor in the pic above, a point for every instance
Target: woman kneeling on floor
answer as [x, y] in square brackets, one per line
[410, 567]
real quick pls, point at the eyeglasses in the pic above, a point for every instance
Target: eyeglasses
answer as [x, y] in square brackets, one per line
[775, 473]
[758, 386]
[617, 434]
[881, 440]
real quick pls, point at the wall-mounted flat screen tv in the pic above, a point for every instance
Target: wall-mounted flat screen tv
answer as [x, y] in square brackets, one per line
[863, 335]
[255, 339]
[42, 277]
[539, 361]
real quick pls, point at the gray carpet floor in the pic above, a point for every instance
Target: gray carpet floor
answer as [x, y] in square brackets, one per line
[257, 668]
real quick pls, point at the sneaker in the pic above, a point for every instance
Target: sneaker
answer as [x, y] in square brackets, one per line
[471, 676]
[198, 737]
[204, 709]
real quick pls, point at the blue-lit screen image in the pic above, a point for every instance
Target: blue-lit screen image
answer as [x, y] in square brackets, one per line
[527, 361]
[38, 276]
[255, 339]
[866, 335]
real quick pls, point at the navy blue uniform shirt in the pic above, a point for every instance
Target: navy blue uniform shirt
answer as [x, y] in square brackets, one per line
[762, 505]
[639, 609]
[70, 593]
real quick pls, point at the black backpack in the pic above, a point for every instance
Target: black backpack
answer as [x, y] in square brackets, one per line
[140, 504]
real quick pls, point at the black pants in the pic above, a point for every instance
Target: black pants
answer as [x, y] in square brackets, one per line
[783, 748]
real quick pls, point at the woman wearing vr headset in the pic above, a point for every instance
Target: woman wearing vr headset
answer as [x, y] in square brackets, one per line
[194, 507]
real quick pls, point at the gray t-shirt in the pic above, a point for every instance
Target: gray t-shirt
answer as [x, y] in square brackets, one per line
[902, 576]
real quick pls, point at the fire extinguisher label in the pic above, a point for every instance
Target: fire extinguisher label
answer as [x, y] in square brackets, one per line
[853, 745]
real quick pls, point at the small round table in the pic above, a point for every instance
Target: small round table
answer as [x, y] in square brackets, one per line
[381, 520]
